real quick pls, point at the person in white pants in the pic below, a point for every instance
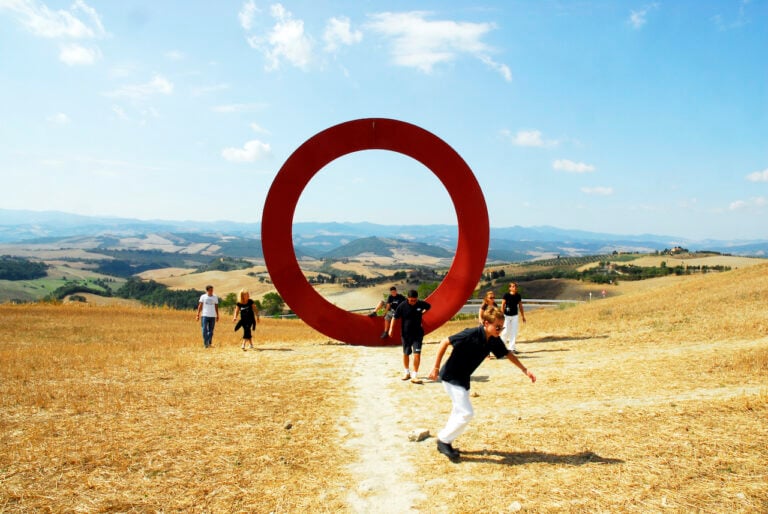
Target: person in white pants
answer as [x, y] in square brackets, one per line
[470, 348]
[512, 304]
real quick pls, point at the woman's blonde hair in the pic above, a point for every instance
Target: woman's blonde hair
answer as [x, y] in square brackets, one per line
[493, 314]
[242, 297]
[486, 299]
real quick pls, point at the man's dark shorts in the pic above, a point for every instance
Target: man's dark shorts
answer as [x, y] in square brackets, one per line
[411, 346]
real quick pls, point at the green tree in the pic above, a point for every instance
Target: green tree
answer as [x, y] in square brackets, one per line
[426, 288]
[272, 304]
[228, 302]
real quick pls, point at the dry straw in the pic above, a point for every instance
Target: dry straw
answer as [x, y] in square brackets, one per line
[647, 402]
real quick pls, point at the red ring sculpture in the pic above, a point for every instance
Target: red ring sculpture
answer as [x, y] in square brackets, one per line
[354, 136]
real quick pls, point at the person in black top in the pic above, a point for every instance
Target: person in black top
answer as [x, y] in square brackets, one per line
[489, 300]
[470, 348]
[248, 316]
[393, 300]
[412, 333]
[512, 304]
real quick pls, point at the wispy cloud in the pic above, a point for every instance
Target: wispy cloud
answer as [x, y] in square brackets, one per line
[78, 55]
[81, 21]
[158, 85]
[598, 191]
[259, 129]
[338, 31]
[531, 138]
[174, 55]
[417, 42]
[58, 119]
[43, 22]
[251, 151]
[729, 22]
[120, 112]
[203, 90]
[754, 202]
[286, 41]
[246, 14]
[639, 18]
[758, 176]
[572, 167]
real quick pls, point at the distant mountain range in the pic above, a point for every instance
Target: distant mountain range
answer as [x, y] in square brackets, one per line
[333, 240]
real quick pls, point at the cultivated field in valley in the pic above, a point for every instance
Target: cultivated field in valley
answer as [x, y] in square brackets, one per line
[651, 401]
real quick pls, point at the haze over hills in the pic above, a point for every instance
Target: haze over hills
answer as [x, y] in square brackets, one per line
[332, 240]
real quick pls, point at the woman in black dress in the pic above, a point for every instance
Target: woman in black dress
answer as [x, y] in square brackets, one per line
[248, 313]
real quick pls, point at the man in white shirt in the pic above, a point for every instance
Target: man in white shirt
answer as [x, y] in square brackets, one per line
[208, 314]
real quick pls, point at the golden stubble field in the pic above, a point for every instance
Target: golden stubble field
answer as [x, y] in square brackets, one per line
[652, 401]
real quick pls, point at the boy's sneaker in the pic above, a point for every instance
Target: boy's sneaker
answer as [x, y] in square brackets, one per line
[447, 450]
[416, 380]
[406, 375]
[384, 335]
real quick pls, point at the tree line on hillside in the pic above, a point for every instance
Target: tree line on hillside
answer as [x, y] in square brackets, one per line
[98, 287]
[608, 272]
[18, 268]
[158, 295]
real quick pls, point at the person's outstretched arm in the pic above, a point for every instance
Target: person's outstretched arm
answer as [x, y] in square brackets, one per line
[514, 360]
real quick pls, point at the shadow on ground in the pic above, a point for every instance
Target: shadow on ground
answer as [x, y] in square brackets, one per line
[517, 458]
[555, 339]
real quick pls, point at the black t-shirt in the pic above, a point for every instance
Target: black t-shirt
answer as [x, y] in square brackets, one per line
[394, 301]
[512, 301]
[246, 312]
[470, 348]
[411, 316]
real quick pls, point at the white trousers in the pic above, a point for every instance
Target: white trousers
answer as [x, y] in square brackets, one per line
[461, 413]
[509, 335]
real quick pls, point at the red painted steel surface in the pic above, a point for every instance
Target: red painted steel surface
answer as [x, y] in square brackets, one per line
[355, 136]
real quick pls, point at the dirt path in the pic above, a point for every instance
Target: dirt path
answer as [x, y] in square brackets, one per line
[379, 436]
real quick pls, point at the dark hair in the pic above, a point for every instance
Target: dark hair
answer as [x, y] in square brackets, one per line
[393, 288]
[413, 293]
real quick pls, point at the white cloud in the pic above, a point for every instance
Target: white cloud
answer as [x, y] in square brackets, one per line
[43, 22]
[286, 41]
[77, 55]
[600, 190]
[638, 18]
[246, 14]
[120, 112]
[259, 129]
[202, 90]
[174, 55]
[158, 85]
[532, 138]
[338, 31]
[756, 202]
[572, 167]
[59, 119]
[250, 152]
[758, 176]
[503, 69]
[422, 44]
[728, 22]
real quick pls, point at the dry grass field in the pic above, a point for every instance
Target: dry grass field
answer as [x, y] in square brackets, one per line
[655, 400]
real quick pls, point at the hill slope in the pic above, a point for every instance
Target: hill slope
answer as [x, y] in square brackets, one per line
[646, 402]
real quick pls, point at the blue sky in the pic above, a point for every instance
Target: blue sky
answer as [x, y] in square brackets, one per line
[609, 116]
